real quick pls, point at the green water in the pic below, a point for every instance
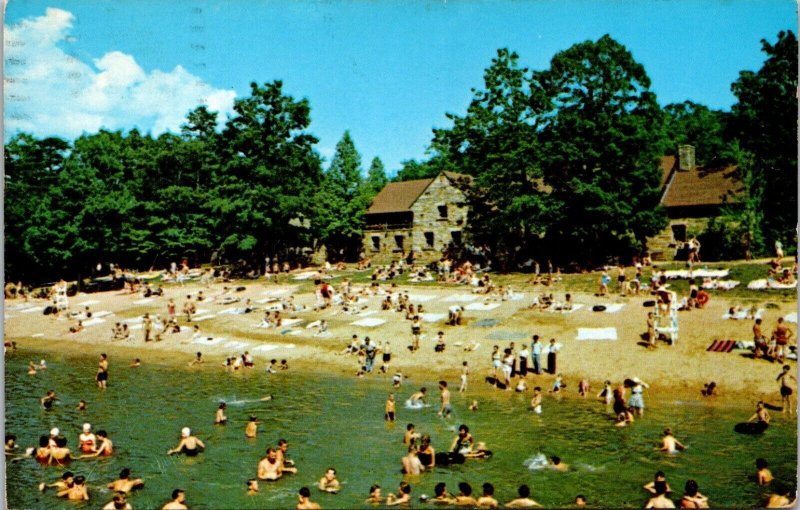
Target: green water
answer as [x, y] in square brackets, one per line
[339, 422]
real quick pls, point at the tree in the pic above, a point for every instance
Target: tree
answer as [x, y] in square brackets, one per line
[764, 120]
[496, 142]
[413, 169]
[376, 178]
[694, 124]
[261, 193]
[600, 151]
[342, 201]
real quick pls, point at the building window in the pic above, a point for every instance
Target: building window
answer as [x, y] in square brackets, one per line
[376, 243]
[398, 240]
[456, 235]
[429, 239]
[442, 212]
[679, 232]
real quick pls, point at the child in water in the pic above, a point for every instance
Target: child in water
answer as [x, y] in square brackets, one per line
[536, 401]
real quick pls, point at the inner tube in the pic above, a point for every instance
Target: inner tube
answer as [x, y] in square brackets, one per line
[751, 428]
[702, 298]
[448, 458]
[649, 304]
[599, 308]
[240, 289]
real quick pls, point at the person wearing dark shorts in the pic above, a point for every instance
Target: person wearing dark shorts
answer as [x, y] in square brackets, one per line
[786, 390]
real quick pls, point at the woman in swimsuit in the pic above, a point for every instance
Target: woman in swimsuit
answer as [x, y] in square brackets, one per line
[426, 453]
[86, 440]
[189, 444]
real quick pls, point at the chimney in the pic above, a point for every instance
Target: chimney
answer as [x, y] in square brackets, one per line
[686, 157]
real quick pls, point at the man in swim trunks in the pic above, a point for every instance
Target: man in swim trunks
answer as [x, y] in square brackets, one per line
[118, 503]
[446, 408]
[270, 467]
[77, 492]
[177, 503]
[781, 335]
[329, 483]
[389, 409]
[125, 484]
[304, 500]
[760, 340]
[411, 463]
[669, 444]
[524, 500]
[251, 428]
[286, 463]
[418, 398]
[411, 434]
[761, 415]
[464, 497]
[786, 389]
[48, 400]
[189, 445]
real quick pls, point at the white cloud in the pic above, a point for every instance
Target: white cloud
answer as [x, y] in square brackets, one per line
[49, 92]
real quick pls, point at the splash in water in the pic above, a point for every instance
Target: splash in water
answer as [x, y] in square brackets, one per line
[537, 462]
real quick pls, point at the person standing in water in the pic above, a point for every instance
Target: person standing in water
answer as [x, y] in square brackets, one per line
[464, 374]
[124, 483]
[524, 500]
[389, 409]
[304, 500]
[220, 418]
[446, 408]
[251, 429]
[102, 372]
[189, 444]
[669, 444]
[177, 503]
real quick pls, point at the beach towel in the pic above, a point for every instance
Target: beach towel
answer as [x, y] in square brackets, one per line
[433, 317]
[276, 293]
[614, 307]
[721, 346]
[743, 315]
[264, 348]
[143, 301]
[202, 318]
[304, 276]
[134, 320]
[697, 273]
[367, 313]
[597, 334]
[37, 335]
[93, 322]
[517, 296]
[290, 322]
[792, 317]
[89, 302]
[369, 322]
[32, 309]
[482, 307]
[102, 313]
[420, 298]
[764, 284]
[237, 345]
[721, 285]
[460, 298]
[207, 340]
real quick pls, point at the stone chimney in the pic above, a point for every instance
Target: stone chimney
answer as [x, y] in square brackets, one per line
[686, 157]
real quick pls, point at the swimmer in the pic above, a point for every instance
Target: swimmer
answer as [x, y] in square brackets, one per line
[270, 467]
[411, 463]
[42, 365]
[473, 406]
[536, 401]
[190, 445]
[304, 500]
[60, 454]
[11, 444]
[660, 500]
[524, 500]
[77, 492]
[178, 500]
[389, 408]
[266, 399]
[487, 498]
[220, 418]
[404, 495]
[580, 501]
[786, 389]
[42, 453]
[659, 477]
[411, 434]
[81, 406]
[446, 408]
[692, 498]
[781, 500]
[556, 464]
[124, 483]
[286, 463]
[463, 442]
[87, 440]
[426, 453]
[64, 483]
[763, 475]
[136, 363]
[441, 496]
[329, 483]
[418, 398]
[375, 497]
[31, 368]
[198, 360]
[118, 503]
[761, 415]
[48, 400]
[105, 446]
[669, 444]
[252, 487]
[464, 374]
[397, 379]
[251, 428]
[464, 497]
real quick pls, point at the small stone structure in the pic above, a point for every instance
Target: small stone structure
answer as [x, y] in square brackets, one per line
[423, 215]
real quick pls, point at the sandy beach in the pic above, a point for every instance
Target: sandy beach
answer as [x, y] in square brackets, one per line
[685, 365]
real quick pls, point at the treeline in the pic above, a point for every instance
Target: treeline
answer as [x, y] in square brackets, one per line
[565, 164]
[566, 160]
[253, 189]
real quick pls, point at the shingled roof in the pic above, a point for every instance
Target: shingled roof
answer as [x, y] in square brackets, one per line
[400, 196]
[701, 186]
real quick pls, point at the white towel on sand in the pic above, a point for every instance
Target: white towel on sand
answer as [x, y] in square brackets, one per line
[597, 334]
[143, 301]
[482, 307]
[433, 317]
[460, 298]
[369, 322]
[420, 298]
[792, 317]
[614, 307]
[93, 322]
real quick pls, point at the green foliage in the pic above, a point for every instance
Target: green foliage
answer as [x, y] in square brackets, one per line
[765, 122]
[413, 169]
[376, 178]
[695, 124]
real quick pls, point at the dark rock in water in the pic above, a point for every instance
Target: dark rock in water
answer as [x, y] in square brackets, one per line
[486, 323]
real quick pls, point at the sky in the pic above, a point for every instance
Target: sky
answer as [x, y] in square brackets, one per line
[387, 71]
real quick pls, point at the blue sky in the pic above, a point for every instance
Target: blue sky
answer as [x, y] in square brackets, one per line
[386, 70]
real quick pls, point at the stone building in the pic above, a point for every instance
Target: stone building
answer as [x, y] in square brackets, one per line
[423, 215]
[692, 195]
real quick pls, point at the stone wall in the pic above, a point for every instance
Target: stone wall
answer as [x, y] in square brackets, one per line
[439, 224]
[663, 246]
[388, 247]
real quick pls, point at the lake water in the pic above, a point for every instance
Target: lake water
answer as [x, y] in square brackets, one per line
[339, 422]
